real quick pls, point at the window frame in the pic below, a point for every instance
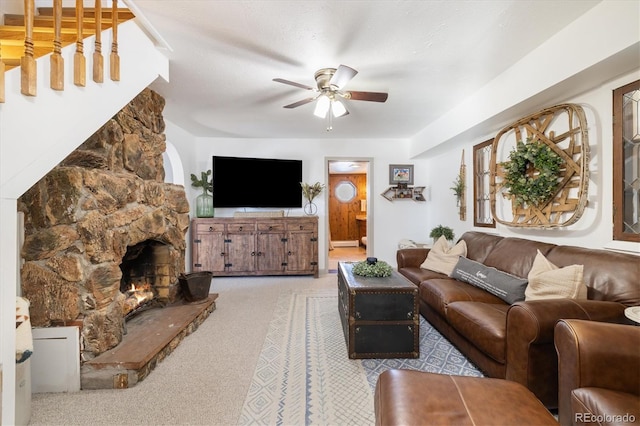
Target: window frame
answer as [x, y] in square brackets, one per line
[619, 233]
[478, 184]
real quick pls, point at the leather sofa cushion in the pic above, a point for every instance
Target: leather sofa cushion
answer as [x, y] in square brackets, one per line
[587, 403]
[479, 244]
[483, 324]
[439, 292]
[417, 275]
[515, 255]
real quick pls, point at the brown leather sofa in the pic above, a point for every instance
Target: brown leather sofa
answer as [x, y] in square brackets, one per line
[599, 372]
[516, 341]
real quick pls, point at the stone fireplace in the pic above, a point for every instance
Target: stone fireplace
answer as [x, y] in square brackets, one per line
[101, 220]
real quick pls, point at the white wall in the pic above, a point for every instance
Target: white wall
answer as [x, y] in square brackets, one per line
[593, 229]
[577, 59]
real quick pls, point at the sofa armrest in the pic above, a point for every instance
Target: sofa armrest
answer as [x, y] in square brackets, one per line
[595, 354]
[411, 257]
[531, 355]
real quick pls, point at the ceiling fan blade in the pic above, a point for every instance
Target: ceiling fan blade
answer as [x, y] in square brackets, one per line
[342, 76]
[302, 102]
[293, 83]
[367, 96]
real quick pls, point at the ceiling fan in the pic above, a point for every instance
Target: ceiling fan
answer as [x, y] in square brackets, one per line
[330, 82]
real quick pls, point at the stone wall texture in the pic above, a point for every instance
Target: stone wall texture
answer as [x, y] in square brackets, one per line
[81, 217]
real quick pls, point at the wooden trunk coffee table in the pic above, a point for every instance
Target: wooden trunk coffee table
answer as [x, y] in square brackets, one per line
[380, 316]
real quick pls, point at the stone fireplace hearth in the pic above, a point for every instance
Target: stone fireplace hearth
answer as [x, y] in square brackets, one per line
[82, 218]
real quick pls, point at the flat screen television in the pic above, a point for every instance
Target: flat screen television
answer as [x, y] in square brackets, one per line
[256, 182]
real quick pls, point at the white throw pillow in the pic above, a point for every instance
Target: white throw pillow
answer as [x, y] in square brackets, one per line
[547, 281]
[442, 258]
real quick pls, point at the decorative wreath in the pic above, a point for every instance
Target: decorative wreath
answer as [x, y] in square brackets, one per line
[528, 187]
[377, 269]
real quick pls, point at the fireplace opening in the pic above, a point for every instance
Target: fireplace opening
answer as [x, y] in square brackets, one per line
[146, 267]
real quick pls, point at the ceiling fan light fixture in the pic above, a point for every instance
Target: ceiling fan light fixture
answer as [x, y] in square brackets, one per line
[338, 109]
[322, 106]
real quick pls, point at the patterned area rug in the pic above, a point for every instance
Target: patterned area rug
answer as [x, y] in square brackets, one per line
[304, 375]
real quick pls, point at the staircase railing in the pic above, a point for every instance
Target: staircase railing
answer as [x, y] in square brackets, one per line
[27, 63]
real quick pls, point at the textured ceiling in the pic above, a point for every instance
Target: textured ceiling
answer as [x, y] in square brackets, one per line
[428, 55]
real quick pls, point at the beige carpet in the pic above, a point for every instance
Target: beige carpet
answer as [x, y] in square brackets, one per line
[205, 380]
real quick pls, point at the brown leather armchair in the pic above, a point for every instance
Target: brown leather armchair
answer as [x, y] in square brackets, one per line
[598, 372]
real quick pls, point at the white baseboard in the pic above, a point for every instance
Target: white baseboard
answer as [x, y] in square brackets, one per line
[346, 243]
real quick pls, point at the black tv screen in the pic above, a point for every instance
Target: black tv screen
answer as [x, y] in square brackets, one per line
[256, 182]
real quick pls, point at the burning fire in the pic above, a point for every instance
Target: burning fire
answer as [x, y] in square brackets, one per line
[136, 296]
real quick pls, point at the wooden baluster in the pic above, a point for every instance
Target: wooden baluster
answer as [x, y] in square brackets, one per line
[79, 61]
[98, 60]
[57, 61]
[114, 59]
[1, 77]
[27, 62]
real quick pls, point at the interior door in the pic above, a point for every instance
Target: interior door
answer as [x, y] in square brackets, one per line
[344, 211]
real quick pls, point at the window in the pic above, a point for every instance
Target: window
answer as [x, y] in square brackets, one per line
[626, 162]
[482, 203]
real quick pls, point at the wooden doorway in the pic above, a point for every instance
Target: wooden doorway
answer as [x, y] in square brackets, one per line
[349, 214]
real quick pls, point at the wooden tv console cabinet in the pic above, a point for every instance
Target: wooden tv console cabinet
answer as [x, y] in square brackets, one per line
[255, 246]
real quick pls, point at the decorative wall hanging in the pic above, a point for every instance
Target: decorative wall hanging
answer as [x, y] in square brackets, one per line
[401, 175]
[539, 172]
[460, 189]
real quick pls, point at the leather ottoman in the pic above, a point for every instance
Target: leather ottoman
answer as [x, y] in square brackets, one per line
[407, 397]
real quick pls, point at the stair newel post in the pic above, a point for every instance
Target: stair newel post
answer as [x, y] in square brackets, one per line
[114, 59]
[79, 61]
[1, 78]
[57, 61]
[27, 62]
[98, 60]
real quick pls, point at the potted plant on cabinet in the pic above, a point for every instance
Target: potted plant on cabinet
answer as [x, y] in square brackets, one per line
[439, 231]
[204, 201]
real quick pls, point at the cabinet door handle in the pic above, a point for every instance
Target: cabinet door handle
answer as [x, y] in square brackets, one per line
[211, 229]
[241, 228]
[259, 253]
[301, 227]
[289, 253]
[253, 253]
[222, 254]
[270, 228]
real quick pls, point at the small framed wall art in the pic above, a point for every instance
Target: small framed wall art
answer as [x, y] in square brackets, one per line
[401, 174]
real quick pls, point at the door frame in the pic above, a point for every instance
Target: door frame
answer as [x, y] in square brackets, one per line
[369, 186]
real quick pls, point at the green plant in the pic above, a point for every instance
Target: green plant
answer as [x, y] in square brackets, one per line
[458, 186]
[204, 182]
[311, 191]
[378, 269]
[440, 230]
[532, 173]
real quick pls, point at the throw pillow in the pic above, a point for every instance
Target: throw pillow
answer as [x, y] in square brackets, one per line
[442, 258]
[547, 281]
[506, 286]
